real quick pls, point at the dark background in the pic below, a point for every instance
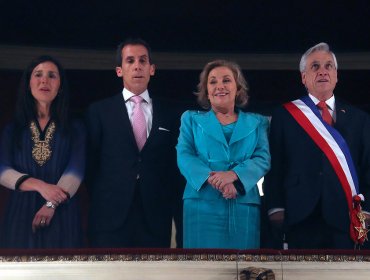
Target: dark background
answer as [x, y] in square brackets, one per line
[203, 26]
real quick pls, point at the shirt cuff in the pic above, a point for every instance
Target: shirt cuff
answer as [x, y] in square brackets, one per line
[275, 210]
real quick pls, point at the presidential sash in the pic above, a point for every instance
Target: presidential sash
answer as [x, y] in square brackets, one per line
[335, 148]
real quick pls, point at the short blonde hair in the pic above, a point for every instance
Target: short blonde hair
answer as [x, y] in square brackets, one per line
[241, 84]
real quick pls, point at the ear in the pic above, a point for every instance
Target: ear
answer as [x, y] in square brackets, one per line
[152, 69]
[119, 71]
[303, 77]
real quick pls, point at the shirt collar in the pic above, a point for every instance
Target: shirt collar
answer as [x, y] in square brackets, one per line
[330, 102]
[128, 94]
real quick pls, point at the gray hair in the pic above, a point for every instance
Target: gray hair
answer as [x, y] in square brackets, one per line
[319, 47]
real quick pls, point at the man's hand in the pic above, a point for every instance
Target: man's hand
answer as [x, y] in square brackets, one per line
[277, 218]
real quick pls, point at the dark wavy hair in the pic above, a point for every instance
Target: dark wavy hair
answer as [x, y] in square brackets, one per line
[134, 42]
[26, 109]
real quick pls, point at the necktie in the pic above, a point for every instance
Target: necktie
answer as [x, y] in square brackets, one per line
[138, 122]
[325, 112]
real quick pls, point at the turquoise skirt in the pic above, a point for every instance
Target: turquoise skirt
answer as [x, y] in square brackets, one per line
[221, 224]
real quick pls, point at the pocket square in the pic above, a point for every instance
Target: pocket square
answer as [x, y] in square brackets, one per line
[164, 129]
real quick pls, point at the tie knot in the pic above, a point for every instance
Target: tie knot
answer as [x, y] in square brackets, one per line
[136, 99]
[322, 105]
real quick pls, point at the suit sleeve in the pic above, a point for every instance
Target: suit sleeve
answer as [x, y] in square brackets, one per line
[93, 143]
[191, 166]
[364, 174]
[254, 168]
[274, 180]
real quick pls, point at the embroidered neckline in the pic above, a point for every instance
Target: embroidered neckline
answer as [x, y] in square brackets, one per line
[41, 150]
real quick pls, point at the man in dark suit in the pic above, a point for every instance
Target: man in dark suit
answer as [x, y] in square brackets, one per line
[134, 185]
[304, 194]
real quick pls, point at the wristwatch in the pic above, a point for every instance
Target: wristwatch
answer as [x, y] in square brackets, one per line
[49, 204]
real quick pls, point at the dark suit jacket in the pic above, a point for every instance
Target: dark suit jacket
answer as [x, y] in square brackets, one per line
[301, 175]
[115, 162]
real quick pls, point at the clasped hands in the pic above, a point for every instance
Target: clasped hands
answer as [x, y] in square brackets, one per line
[44, 215]
[223, 181]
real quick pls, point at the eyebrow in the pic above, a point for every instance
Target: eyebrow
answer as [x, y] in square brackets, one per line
[316, 61]
[141, 56]
[225, 76]
[49, 71]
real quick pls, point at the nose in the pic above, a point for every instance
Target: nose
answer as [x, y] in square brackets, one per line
[322, 71]
[44, 79]
[220, 85]
[137, 65]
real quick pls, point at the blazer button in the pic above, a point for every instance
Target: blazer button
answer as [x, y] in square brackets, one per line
[321, 173]
[139, 159]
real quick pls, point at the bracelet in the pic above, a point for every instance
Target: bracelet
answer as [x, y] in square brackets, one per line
[49, 204]
[20, 181]
[67, 194]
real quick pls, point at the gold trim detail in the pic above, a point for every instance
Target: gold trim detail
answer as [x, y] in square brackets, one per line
[41, 150]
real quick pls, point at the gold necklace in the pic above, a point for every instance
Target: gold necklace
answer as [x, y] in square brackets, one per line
[41, 150]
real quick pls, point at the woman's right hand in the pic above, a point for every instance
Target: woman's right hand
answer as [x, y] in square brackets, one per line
[220, 179]
[53, 193]
[49, 192]
[229, 191]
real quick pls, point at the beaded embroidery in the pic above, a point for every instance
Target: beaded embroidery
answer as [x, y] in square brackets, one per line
[41, 150]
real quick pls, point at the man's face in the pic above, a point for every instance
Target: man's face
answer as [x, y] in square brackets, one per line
[135, 69]
[320, 75]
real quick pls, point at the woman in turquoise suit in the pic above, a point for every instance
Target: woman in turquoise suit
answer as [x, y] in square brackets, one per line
[222, 153]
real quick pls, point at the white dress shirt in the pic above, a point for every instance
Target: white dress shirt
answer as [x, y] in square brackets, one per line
[330, 103]
[146, 105]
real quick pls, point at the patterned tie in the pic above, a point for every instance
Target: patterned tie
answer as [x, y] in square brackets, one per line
[325, 112]
[138, 122]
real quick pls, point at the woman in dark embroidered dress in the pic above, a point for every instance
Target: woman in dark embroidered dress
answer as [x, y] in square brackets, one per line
[42, 158]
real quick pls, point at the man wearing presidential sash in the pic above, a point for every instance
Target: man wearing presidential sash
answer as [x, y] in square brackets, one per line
[320, 152]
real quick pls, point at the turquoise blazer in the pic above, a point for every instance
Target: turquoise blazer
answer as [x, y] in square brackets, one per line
[202, 148]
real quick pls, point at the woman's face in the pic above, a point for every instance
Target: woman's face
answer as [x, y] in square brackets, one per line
[45, 82]
[221, 87]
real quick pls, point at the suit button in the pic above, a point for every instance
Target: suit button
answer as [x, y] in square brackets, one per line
[321, 173]
[139, 159]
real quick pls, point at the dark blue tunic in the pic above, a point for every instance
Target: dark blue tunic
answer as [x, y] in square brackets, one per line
[67, 160]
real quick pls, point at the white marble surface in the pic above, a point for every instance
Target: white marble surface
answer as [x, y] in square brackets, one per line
[179, 270]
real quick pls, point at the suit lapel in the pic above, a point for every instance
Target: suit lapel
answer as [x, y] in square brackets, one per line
[342, 116]
[122, 118]
[155, 122]
[211, 126]
[245, 125]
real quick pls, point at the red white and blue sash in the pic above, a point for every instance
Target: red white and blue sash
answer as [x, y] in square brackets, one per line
[329, 140]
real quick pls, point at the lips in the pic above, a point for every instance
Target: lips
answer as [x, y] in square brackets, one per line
[323, 81]
[45, 89]
[221, 94]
